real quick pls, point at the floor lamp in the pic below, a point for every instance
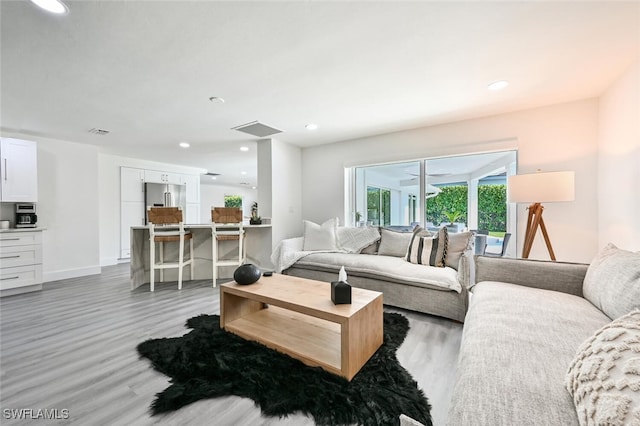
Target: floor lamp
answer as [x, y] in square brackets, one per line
[537, 188]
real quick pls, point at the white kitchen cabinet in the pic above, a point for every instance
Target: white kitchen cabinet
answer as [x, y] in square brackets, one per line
[132, 213]
[20, 262]
[18, 170]
[193, 187]
[131, 184]
[192, 215]
[156, 176]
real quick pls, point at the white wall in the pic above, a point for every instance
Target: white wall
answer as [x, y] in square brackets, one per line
[68, 208]
[212, 195]
[553, 138]
[619, 162]
[108, 172]
[286, 191]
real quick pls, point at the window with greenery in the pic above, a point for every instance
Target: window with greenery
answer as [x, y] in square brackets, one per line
[492, 208]
[451, 202]
[379, 206]
[233, 201]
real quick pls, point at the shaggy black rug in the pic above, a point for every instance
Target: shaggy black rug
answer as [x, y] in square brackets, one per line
[209, 362]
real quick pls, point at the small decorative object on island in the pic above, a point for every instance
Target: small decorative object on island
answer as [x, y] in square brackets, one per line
[341, 290]
[255, 219]
[247, 274]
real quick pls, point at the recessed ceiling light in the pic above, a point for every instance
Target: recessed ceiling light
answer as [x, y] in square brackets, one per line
[253, 187]
[244, 148]
[53, 6]
[184, 145]
[213, 178]
[311, 126]
[498, 85]
[216, 100]
[243, 173]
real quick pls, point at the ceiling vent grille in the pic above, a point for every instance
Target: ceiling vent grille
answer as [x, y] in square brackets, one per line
[212, 174]
[256, 128]
[100, 132]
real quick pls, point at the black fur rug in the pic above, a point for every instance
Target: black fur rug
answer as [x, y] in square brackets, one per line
[209, 362]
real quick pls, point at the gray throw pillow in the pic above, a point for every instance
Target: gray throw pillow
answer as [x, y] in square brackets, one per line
[457, 244]
[394, 243]
[612, 282]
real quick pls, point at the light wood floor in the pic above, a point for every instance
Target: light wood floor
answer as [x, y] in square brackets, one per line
[73, 346]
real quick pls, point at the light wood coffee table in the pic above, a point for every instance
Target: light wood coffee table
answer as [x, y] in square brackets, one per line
[297, 317]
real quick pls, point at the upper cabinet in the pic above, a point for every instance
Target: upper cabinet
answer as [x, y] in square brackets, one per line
[162, 177]
[18, 170]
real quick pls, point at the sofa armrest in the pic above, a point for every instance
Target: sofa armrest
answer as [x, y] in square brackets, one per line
[558, 276]
[464, 270]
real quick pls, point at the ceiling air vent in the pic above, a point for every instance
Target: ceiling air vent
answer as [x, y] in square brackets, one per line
[212, 174]
[256, 128]
[100, 132]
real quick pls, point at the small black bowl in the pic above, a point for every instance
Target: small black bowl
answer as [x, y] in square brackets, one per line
[247, 274]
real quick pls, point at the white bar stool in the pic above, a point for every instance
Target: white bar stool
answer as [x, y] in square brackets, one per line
[226, 224]
[161, 231]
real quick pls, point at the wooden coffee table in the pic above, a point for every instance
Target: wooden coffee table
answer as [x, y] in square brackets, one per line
[297, 317]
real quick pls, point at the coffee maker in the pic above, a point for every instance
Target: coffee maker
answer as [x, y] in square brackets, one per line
[26, 215]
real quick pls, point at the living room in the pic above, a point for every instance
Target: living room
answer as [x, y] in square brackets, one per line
[590, 127]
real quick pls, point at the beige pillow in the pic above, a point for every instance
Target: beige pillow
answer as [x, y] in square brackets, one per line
[393, 243]
[320, 237]
[457, 244]
[428, 250]
[604, 377]
[612, 282]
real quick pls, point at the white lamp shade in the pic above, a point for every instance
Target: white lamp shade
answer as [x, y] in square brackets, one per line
[541, 187]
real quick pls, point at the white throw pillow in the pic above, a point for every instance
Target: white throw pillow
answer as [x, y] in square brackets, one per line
[612, 282]
[320, 237]
[604, 377]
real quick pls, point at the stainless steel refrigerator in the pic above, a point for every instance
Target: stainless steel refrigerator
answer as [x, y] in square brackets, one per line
[165, 195]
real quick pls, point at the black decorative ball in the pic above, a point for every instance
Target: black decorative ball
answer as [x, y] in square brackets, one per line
[247, 274]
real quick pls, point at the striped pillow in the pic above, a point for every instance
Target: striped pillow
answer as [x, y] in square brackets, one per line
[430, 251]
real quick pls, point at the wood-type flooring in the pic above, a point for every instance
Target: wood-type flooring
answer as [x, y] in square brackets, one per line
[71, 349]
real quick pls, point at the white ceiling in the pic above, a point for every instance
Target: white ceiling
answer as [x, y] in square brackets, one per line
[145, 70]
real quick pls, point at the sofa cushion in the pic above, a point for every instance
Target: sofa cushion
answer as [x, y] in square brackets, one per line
[604, 377]
[320, 237]
[428, 250]
[612, 282]
[386, 268]
[394, 243]
[517, 343]
[457, 244]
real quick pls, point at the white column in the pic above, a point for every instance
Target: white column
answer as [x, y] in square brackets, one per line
[472, 203]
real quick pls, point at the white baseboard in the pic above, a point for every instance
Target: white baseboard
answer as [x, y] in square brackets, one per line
[108, 261]
[71, 273]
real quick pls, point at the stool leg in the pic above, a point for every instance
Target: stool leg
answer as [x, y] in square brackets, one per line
[191, 256]
[180, 262]
[161, 261]
[214, 258]
[152, 263]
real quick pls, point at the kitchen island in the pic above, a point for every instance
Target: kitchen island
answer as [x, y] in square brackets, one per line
[257, 243]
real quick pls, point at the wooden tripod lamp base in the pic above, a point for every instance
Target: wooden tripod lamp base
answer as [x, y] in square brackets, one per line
[533, 222]
[549, 187]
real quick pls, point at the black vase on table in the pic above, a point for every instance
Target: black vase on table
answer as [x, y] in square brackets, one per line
[247, 274]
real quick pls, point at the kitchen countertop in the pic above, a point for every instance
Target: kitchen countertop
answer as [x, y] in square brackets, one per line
[22, 230]
[208, 225]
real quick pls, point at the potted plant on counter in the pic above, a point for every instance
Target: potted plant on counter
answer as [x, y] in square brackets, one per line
[255, 219]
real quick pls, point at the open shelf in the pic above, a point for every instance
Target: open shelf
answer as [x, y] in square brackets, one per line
[314, 341]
